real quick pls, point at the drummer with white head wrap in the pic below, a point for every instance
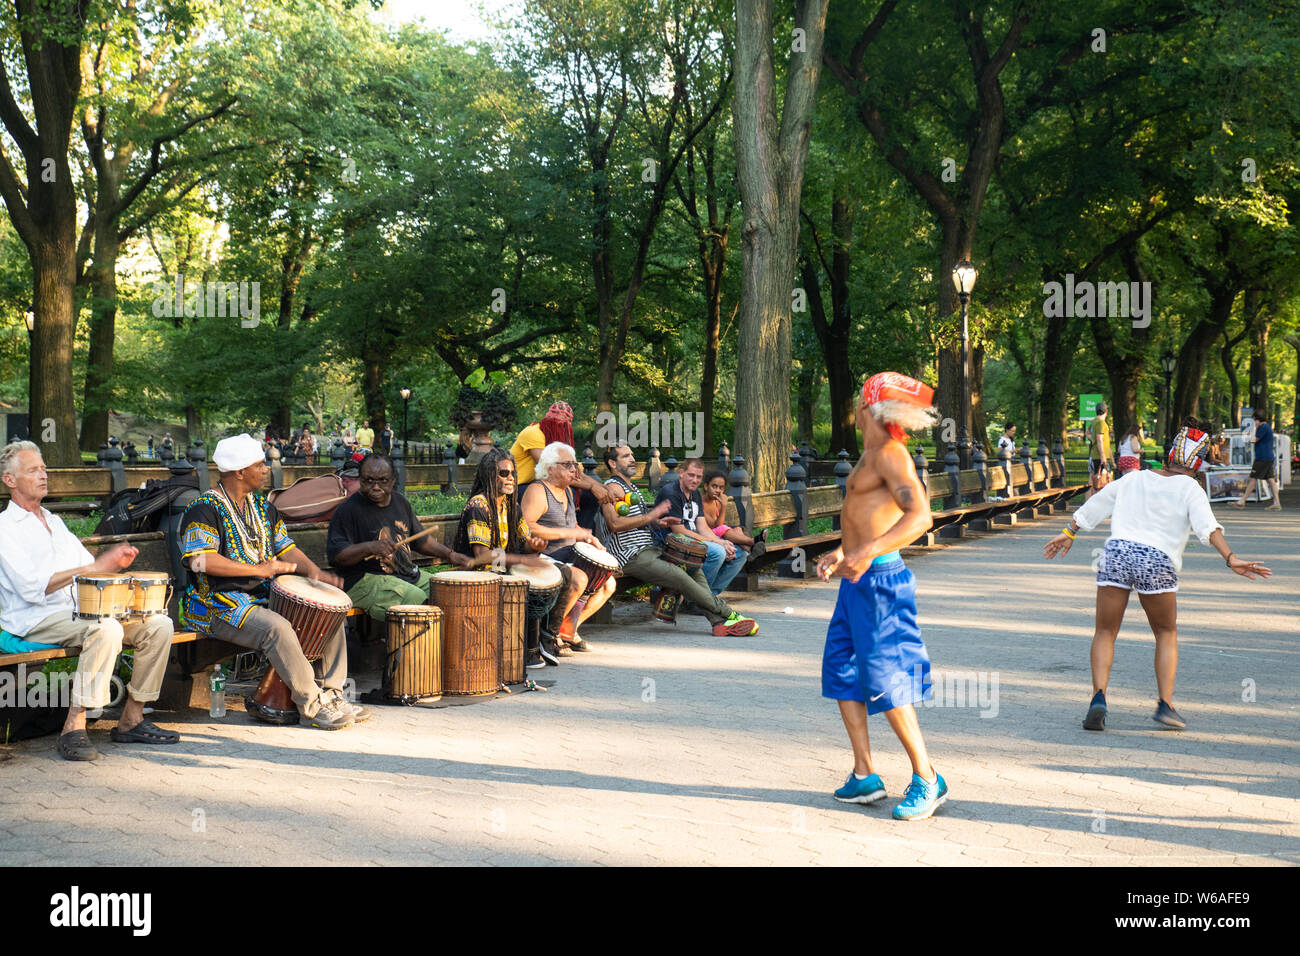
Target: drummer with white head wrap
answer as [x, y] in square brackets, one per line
[233, 542]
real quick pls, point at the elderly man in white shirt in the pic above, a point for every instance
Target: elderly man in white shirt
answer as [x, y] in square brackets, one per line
[1151, 514]
[39, 560]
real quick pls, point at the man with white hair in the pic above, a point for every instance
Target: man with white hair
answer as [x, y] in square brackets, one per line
[233, 542]
[874, 660]
[39, 561]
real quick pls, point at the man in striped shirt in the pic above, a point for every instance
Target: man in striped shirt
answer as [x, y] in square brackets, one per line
[628, 539]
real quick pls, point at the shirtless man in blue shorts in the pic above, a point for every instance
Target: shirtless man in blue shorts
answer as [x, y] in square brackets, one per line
[874, 660]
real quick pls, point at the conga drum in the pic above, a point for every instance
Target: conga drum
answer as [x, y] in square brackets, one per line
[102, 595]
[413, 671]
[689, 554]
[150, 593]
[315, 609]
[544, 583]
[471, 633]
[514, 629]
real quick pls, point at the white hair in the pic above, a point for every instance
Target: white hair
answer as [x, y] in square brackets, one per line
[9, 454]
[905, 415]
[551, 455]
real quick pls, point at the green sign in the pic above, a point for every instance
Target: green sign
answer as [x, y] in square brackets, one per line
[1088, 407]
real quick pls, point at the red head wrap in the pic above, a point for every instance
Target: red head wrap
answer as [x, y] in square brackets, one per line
[891, 386]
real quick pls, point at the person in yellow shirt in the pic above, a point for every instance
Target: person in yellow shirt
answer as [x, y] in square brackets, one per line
[1098, 450]
[366, 436]
[555, 426]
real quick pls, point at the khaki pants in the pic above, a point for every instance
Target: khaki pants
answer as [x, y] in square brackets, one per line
[99, 643]
[264, 630]
[649, 565]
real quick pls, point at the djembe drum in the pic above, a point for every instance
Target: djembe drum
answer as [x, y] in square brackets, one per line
[471, 633]
[598, 565]
[514, 629]
[544, 583]
[315, 610]
[687, 553]
[413, 669]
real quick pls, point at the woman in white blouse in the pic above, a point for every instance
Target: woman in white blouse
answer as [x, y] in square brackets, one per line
[1128, 457]
[1151, 513]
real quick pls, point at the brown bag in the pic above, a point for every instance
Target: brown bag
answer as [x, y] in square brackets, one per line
[309, 499]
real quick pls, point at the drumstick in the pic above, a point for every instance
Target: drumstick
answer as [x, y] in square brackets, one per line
[478, 562]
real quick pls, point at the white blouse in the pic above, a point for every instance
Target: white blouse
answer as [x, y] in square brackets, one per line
[1152, 509]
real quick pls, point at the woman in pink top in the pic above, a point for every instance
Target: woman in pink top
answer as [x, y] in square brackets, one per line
[1151, 513]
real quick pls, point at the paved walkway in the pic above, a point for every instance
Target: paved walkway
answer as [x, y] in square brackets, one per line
[672, 746]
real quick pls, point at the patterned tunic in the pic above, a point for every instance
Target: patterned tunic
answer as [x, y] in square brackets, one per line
[209, 527]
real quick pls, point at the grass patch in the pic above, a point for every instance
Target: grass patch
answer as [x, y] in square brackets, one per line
[83, 526]
[436, 503]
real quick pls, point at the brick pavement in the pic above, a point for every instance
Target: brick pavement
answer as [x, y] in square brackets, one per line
[672, 746]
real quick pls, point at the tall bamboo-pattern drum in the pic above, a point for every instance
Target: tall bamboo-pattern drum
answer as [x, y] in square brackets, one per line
[413, 671]
[471, 631]
[315, 610]
[514, 629]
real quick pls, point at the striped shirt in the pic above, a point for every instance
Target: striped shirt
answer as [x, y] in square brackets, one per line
[624, 545]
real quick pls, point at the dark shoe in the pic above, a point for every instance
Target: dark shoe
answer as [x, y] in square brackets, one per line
[1165, 714]
[548, 652]
[145, 732]
[76, 745]
[579, 645]
[760, 546]
[1096, 719]
[535, 660]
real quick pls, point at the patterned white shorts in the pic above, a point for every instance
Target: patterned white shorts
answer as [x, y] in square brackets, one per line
[1138, 567]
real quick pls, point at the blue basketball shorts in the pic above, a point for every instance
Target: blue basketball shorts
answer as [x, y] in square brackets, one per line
[873, 650]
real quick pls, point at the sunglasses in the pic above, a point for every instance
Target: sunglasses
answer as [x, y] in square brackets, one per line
[506, 472]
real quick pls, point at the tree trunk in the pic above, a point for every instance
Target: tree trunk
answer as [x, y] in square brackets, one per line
[806, 405]
[712, 332]
[843, 389]
[1258, 353]
[1059, 347]
[193, 428]
[771, 150]
[1192, 356]
[52, 411]
[103, 317]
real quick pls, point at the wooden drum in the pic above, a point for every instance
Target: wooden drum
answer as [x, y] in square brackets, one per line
[150, 593]
[103, 595]
[514, 629]
[315, 609]
[413, 671]
[471, 632]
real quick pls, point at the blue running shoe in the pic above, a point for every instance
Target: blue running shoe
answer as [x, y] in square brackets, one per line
[1165, 714]
[861, 791]
[1096, 719]
[921, 798]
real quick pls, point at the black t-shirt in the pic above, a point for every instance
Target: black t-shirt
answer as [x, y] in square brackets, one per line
[359, 519]
[680, 505]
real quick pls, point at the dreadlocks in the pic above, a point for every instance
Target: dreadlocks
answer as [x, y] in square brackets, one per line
[488, 484]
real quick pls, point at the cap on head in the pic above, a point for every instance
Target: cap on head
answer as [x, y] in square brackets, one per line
[237, 452]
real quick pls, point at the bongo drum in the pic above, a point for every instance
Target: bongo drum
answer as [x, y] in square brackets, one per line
[471, 633]
[315, 610]
[151, 591]
[103, 595]
[514, 625]
[413, 671]
[689, 554]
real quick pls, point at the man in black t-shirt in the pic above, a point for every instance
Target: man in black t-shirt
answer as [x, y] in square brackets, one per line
[686, 516]
[377, 572]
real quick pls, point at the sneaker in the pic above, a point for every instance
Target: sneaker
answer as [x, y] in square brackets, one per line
[921, 798]
[868, 790]
[1096, 719]
[736, 626]
[330, 716]
[1165, 714]
[535, 660]
[548, 653]
[358, 712]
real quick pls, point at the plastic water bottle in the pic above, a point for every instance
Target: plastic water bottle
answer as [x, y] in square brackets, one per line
[217, 692]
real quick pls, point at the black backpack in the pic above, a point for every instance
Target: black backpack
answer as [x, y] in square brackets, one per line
[137, 510]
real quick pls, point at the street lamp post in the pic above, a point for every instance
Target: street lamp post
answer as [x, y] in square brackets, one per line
[963, 278]
[1168, 362]
[406, 397]
[29, 317]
